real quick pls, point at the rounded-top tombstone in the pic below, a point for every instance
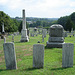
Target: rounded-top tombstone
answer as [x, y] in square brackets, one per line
[56, 30]
[56, 38]
[35, 29]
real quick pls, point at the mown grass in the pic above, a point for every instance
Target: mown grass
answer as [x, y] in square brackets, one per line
[24, 58]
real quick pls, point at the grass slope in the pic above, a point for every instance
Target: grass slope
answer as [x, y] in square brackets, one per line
[24, 57]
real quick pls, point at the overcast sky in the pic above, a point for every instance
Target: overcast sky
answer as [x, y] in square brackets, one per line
[38, 8]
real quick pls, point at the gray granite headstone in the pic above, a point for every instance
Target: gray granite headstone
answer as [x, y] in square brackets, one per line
[65, 34]
[10, 57]
[35, 29]
[44, 32]
[56, 38]
[67, 55]
[4, 39]
[38, 56]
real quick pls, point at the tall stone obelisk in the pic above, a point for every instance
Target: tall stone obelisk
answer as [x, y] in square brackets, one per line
[24, 37]
[3, 28]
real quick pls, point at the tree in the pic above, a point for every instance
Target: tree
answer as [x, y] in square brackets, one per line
[20, 27]
[69, 25]
[63, 20]
[10, 25]
[72, 16]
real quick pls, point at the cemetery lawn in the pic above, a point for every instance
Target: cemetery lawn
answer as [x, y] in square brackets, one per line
[24, 58]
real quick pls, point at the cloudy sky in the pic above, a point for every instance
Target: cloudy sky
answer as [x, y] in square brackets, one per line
[38, 8]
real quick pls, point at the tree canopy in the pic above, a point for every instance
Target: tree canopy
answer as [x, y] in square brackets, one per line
[67, 21]
[10, 25]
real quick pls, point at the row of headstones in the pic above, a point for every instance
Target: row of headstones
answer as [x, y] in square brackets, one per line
[31, 35]
[38, 55]
[12, 39]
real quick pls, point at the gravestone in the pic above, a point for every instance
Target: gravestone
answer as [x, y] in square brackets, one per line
[12, 38]
[17, 33]
[3, 32]
[44, 32]
[65, 34]
[3, 28]
[24, 36]
[4, 39]
[73, 34]
[32, 35]
[35, 29]
[56, 38]
[10, 57]
[67, 55]
[38, 56]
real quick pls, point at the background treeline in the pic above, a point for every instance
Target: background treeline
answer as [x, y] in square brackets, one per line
[68, 22]
[15, 24]
[39, 22]
[10, 25]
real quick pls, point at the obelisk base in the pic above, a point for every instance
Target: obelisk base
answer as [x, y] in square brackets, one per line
[24, 37]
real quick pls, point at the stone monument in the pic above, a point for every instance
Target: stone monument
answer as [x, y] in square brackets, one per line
[38, 56]
[35, 29]
[10, 56]
[4, 39]
[65, 34]
[67, 55]
[44, 32]
[3, 28]
[56, 38]
[24, 36]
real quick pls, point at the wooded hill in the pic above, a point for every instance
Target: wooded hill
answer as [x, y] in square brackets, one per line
[15, 24]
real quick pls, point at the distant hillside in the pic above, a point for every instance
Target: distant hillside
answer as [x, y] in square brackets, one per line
[34, 19]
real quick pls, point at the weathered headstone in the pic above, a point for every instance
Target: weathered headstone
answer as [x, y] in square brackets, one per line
[17, 33]
[44, 32]
[4, 39]
[12, 38]
[56, 38]
[35, 29]
[67, 55]
[42, 38]
[10, 57]
[65, 34]
[3, 32]
[36, 34]
[3, 28]
[73, 34]
[38, 56]
[24, 37]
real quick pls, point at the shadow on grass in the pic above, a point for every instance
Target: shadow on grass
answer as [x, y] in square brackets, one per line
[31, 69]
[3, 70]
[47, 47]
[60, 68]
[50, 48]
[18, 42]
